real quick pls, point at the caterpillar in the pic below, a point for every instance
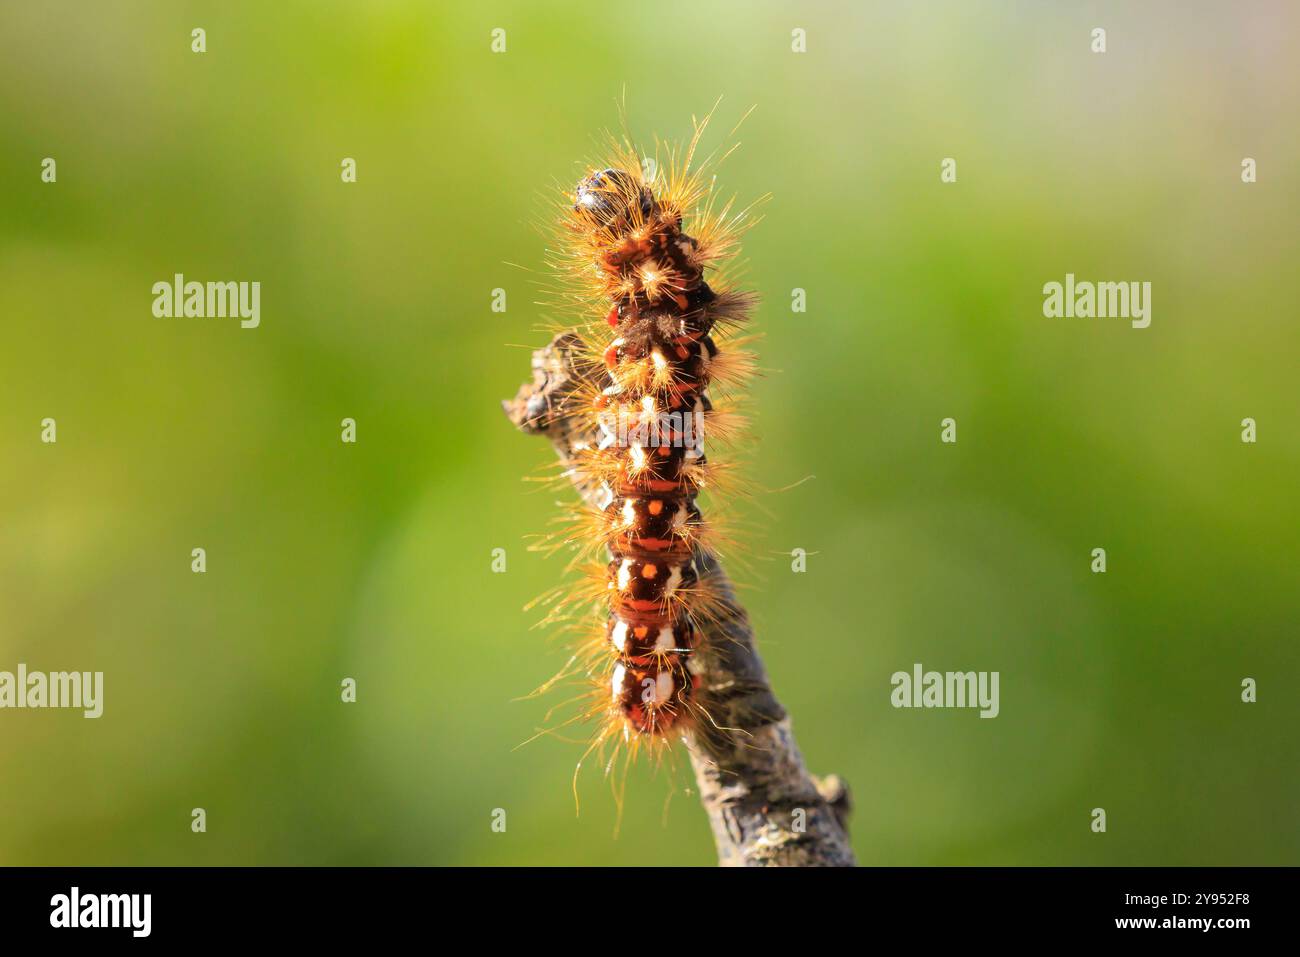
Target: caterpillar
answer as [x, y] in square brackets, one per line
[635, 242]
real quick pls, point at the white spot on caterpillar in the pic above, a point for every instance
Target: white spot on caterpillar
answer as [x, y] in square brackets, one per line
[679, 518]
[664, 642]
[664, 687]
[619, 636]
[674, 579]
[625, 574]
[616, 686]
[629, 512]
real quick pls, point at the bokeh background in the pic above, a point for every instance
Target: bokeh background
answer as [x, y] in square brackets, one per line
[372, 560]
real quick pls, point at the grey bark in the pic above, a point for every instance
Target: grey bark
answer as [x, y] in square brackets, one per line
[765, 808]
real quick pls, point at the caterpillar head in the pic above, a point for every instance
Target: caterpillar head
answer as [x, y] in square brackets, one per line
[611, 198]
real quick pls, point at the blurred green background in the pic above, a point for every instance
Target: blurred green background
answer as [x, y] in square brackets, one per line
[372, 560]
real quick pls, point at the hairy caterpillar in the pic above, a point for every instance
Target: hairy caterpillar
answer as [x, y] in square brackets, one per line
[635, 243]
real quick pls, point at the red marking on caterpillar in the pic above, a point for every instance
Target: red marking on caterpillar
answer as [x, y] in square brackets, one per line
[642, 256]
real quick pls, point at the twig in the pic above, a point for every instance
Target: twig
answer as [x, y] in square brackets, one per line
[765, 808]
